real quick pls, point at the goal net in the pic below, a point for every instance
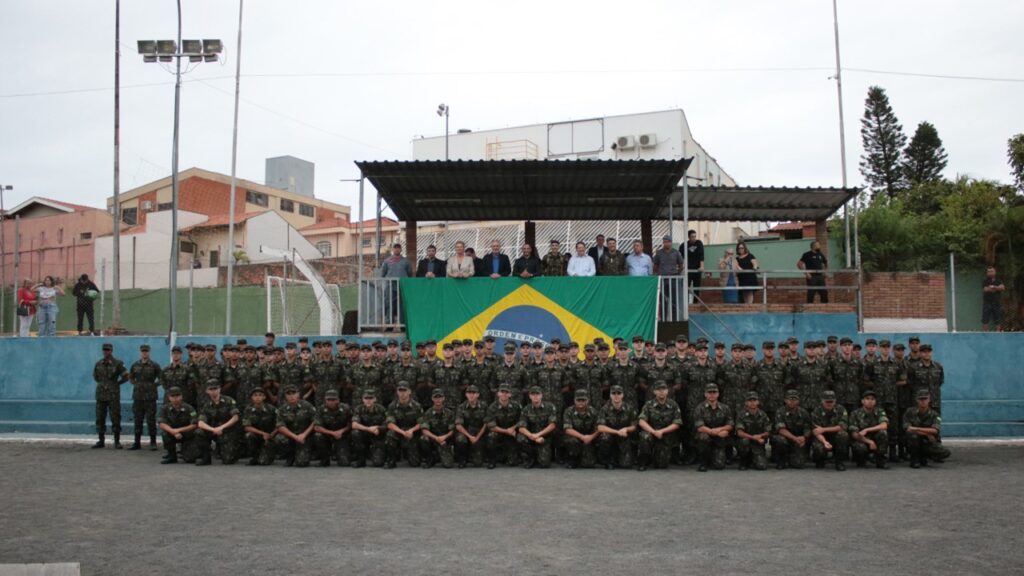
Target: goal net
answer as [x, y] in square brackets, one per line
[293, 307]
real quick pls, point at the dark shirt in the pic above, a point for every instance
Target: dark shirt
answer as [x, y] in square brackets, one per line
[596, 255]
[694, 254]
[488, 265]
[814, 260]
[991, 298]
[436, 265]
[531, 265]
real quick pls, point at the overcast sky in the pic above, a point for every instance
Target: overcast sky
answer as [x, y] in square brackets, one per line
[337, 81]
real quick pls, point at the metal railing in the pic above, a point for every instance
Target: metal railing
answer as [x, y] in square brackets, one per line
[380, 305]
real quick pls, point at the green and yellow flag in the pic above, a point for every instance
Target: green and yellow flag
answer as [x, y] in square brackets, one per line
[539, 309]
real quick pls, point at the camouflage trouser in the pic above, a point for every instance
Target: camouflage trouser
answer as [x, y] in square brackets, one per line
[396, 446]
[579, 454]
[860, 449]
[189, 451]
[531, 452]
[921, 447]
[502, 448]
[840, 447]
[711, 449]
[432, 452]
[467, 452]
[366, 445]
[752, 454]
[895, 426]
[260, 450]
[298, 453]
[788, 452]
[114, 407]
[227, 444]
[327, 448]
[144, 410]
[654, 451]
[616, 450]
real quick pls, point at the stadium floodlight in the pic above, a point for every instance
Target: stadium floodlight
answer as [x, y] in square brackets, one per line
[212, 46]
[147, 47]
[209, 57]
[149, 58]
[166, 47]
[191, 47]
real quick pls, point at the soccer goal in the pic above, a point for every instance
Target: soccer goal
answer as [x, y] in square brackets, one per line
[293, 307]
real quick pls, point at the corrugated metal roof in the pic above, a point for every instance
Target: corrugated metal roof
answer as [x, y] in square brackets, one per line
[759, 203]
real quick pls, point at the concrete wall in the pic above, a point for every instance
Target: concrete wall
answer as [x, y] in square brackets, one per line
[144, 255]
[52, 245]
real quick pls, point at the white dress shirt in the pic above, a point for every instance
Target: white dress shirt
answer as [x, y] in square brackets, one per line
[581, 266]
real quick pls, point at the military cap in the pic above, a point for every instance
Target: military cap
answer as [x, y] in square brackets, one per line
[588, 347]
[258, 390]
[834, 339]
[472, 388]
[828, 395]
[856, 347]
[538, 344]
[573, 344]
[467, 341]
[420, 345]
[598, 340]
[524, 344]
[556, 341]
[660, 384]
[242, 342]
[402, 385]
[431, 342]
[899, 346]
[603, 346]
[868, 392]
[549, 349]
[479, 345]
[711, 388]
[392, 342]
[701, 346]
[456, 342]
[768, 345]
[536, 390]
[582, 394]
[749, 347]
[331, 395]
[809, 344]
[488, 338]
[406, 345]
[504, 388]
[446, 346]
[622, 346]
[378, 345]
[884, 343]
[752, 396]
[720, 345]
[702, 340]
[923, 393]
[870, 341]
[914, 339]
[792, 340]
[510, 347]
[638, 338]
[369, 393]
[303, 338]
[437, 393]
[783, 344]
[792, 395]
[290, 346]
[680, 338]
[175, 348]
[926, 348]
[365, 348]
[212, 383]
[660, 347]
[211, 348]
[174, 391]
[666, 238]
[144, 348]
[846, 340]
[290, 388]
[616, 389]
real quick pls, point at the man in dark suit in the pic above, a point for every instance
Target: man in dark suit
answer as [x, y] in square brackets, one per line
[495, 264]
[431, 266]
[477, 262]
[597, 251]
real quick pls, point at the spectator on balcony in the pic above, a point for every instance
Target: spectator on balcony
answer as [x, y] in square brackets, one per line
[26, 307]
[669, 262]
[815, 265]
[85, 294]
[613, 263]
[991, 305]
[639, 263]
[581, 264]
[396, 266]
[597, 251]
[528, 265]
[462, 265]
[431, 266]
[747, 264]
[694, 260]
[47, 293]
[727, 264]
[495, 264]
[477, 263]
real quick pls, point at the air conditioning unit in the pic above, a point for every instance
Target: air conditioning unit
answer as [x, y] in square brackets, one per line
[624, 143]
[648, 140]
[147, 206]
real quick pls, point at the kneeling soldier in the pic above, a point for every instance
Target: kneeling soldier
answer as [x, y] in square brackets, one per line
[178, 425]
[659, 421]
[713, 424]
[617, 425]
[752, 430]
[469, 425]
[537, 421]
[403, 423]
[368, 428]
[830, 423]
[331, 426]
[218, 419]
[502, 419]
[579, 423]
[869, 431]
[922, 426]
[295, 428]
[259, 421]
[792, 440]
[437, 426]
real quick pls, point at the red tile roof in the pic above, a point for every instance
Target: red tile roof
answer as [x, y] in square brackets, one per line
[342, 223]
[790, 226]
[223, 220]
[75, 207]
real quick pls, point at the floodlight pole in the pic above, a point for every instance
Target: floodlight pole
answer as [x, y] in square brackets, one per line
[3, 261]
[173, 279]
[234, 159]
[115, 322]
[842, 129]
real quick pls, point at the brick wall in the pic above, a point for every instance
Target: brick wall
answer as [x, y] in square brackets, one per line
[342, 271]
[905, 295]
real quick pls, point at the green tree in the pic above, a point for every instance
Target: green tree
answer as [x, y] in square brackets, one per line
[883, 139]
[1015, 153]
[888, 237]
[924, 158]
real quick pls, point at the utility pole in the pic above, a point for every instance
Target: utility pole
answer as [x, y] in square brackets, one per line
[234, 158]
[842, 128]
[115, 323]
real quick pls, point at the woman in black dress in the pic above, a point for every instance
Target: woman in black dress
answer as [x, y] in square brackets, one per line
[747, 280]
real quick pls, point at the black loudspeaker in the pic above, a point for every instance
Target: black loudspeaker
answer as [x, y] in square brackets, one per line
[350, 323]
[667, 331]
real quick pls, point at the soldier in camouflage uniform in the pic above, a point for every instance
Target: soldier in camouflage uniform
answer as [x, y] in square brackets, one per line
[831, 431]
[738, 377]
[625, 374]
[580, 434]
[617, 423]
[554, 262]
[470, 428]
[847, 374]
[108, 373]
[886, 376]
[550, 378]
[696, 376]
[869, 431]
[753, 431]
[771, 380]
[331, 428]
[295, 428]
[447, 377]
[929, 375]
[366, 375]
[205, 369]
[327, 374]
[177, 374]
[403, 425]
[437, 428]
[613, 262]
[660, 369]
[479, 372]
[178, 424]
[292, 372]
[923, 428]
[218, 422]
[502, 420]
[511, 373]
[407, 369]
[249, 377]
[143, 375]
[713, 424]
[259, 423]
[792, 441]
[537, 422]
[809, 376]
[589, 375]
[659, 422]
[368, 431]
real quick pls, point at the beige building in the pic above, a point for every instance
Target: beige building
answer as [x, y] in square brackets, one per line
[338, 237]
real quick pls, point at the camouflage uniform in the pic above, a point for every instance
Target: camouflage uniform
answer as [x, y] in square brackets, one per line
[143, 376]
[216, 415]
[364, 443]
[178, 418]
[712, 449]
[263, 419]
[292, 374]
[550, 381]
[668, 372]
[751, 453]
[576, 452]
[659, 415]
[554, 264]
[514, 376]
[535, 419]
[328, 376]
[928, 377]
[612, 264]
[327, 447]
[695, 377]
[480, 374]
[414, 374]
[737, 379]
[109, 375]
[439, 423]
[405, 416]
[449, 380]
[785, 451]
[500, 446]
[840, 440]
[616, 450]
[921, 447]
[249, 377]
[628, 376]
[178, 375]
[364, 378]
[847, 375]
[771, 385]
[296, 418]
[473, 419]
[861, 419]
[203, 372]
[810, 379]
[590, 377]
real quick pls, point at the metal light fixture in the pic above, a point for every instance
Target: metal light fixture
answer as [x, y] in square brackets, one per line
[442, 109]
[212, 46]
[147, 47]
[209, 57]
[191, 47]
[166, 47]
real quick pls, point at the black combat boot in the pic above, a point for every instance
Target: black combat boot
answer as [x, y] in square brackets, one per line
[171, 457]
[117, 440]
[152, 443]
[101, 442]
[137, 444]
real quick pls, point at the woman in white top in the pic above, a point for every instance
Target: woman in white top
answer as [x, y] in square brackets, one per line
[460, 265]
[47, 297]
[581, 264]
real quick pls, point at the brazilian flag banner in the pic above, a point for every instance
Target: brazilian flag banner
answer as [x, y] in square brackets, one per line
[534, 310]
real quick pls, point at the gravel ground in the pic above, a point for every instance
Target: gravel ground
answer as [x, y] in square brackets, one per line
[120, 512]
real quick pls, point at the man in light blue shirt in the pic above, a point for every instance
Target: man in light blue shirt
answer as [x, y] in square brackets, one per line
[639, 263]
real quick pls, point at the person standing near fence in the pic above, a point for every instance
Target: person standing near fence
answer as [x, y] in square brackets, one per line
[747, 263]
[461, 265]
[727, 264]
[85, 293]
[815, 265]
[694, 261]
[26, 307]
[47, 293]
[991, 306]
[394, 267]
[668, 262]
